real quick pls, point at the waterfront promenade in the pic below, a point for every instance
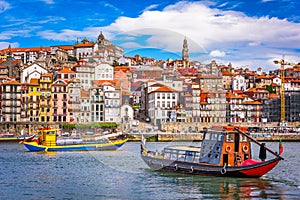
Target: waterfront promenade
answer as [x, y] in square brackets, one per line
[168, 136]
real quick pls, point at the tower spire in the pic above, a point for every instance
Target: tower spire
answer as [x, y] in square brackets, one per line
[185, 52]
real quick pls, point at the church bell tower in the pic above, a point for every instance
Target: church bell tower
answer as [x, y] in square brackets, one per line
[185, 50]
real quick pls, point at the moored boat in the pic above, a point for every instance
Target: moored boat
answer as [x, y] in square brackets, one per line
[9, 138]
[48, 140]
[13, 138]
[224, 151]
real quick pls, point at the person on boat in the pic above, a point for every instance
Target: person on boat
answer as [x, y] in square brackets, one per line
[262, 152]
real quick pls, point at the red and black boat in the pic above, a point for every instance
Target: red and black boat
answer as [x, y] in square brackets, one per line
[224, 151]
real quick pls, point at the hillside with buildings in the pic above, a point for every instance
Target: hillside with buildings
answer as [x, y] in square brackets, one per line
[93, 82]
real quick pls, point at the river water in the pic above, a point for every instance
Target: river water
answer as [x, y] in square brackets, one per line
[122, 174]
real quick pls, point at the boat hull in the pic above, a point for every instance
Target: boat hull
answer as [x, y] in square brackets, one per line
[33, 146]
[10, 139]
[254, 170]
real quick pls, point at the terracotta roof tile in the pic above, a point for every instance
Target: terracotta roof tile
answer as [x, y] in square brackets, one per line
[12, 82]
[164, 89]
[85, 45]
[253, 103]
[67, 70]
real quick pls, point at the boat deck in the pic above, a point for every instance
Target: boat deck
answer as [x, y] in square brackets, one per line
[184, 148]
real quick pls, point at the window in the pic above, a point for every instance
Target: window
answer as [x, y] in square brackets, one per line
[214, 136]
[207, 136]
[229, 138]
[189, 156]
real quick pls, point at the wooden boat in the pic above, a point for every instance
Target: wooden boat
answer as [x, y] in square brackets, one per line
[224, 151]
[49, 141]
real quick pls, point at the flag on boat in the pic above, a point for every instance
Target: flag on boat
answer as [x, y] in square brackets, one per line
[280, 147]
[143, 140]
[143, 149]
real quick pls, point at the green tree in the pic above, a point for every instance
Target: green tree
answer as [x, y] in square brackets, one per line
[270, 89]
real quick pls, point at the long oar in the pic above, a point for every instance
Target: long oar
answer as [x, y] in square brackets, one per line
[257, 142]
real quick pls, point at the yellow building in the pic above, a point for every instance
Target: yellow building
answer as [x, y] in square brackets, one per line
[33, 100]
[45, 109]
[3, 57]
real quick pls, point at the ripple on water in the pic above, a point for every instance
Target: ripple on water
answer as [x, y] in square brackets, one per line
[123, 175]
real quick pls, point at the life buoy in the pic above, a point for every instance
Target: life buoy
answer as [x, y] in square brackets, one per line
[245, 148]
[228, 149]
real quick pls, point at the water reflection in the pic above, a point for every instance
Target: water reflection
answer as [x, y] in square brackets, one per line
[47, 153]
[226, 188]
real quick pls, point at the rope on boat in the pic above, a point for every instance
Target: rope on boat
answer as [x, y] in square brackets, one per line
[192, 169]
[176, 167]
[223, 170]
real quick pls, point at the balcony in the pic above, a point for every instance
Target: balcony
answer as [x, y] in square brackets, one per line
[73, 102]
[74, 110]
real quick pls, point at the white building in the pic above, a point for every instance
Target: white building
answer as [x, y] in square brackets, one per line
[161, 104]
[74, 95]
[85, 73]
[112, 104]
[85, 107]
[97, 104]
[104, 71]
[32, 71]
[238, 83]
[277, 80]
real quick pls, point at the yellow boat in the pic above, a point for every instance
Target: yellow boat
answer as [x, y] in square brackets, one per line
[49, 141]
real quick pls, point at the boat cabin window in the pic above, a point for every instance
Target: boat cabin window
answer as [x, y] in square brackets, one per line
[174, 155]
[243, 138]
[170, 154]
[207, 136]
[229, 137]
[51, 132]
[181, 155]
[190, 156]
[214, 136]
[167, 154]
[221, 137]
[197, 156]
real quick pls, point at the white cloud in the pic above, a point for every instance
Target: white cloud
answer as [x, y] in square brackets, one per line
[9, 34]
[71, 35]
[4, 45]
[48, 1]
[212, 26]
[131, 45]
[213, 29]
[151, 7]
[48, 19]
[4, 6]
[114, 8]
[217, 53]
[243, 38]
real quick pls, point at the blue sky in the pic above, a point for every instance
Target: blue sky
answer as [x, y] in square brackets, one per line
[246, 33]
